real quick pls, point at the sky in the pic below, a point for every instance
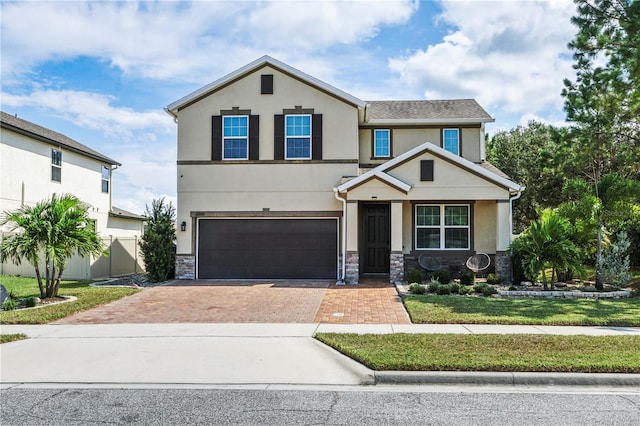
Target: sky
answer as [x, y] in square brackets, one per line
[103, 72]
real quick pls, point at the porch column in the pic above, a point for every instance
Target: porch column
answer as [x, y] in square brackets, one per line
[396, 258]
[503, 240]
[352, 265]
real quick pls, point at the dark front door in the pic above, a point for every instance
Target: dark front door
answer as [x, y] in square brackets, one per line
[376, 236]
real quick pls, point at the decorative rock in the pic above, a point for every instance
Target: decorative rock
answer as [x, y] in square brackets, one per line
[4, 294]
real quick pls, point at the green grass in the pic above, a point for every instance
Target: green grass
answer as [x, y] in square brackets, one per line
[481, 310]
[88, 297]
[6, 338]
[490, 352]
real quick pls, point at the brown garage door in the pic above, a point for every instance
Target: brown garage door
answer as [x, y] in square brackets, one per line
[267, 248]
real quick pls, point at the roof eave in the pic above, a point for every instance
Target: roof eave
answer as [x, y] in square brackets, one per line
[428, 121]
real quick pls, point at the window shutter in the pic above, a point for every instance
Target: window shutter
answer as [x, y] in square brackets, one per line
[316, 136]
[426, 170]
[254, 133]
[216, 137]
[278, 137]
[266, 84]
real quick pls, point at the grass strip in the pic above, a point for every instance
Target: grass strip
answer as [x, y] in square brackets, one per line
[6, 338]
[482, 310]
[88, 297]
[490, 352]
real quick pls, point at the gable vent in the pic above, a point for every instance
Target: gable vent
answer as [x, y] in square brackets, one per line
[266, 84]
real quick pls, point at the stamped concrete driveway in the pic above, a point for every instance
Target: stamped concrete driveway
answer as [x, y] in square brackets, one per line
[280, 301]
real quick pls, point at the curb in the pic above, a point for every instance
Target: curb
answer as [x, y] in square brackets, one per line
[506, 378]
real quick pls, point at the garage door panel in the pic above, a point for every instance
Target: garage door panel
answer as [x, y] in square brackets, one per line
[267, 248]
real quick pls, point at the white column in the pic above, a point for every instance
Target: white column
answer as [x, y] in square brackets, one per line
[396, 226]
[503, 226]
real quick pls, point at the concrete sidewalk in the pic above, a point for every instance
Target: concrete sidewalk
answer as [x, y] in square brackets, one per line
[242, 354]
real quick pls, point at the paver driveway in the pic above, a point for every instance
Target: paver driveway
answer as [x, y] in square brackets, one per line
[290, 301]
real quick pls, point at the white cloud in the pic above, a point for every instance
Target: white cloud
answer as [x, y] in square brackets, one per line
[508, 55]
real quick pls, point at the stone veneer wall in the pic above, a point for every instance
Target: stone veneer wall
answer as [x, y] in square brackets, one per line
[396, 267]
[185, 267]
[352, 273]
[503, 267]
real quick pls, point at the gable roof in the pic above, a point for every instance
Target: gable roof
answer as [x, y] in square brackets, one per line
[425, 111]
[43, 134]
[256, 65]
[118, 212]
[380, 172]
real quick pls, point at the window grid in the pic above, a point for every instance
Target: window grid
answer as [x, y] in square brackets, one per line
[56, 165]
[433, 233]
[298, 136]
[382, 143]
[235, 137]
[451, 140]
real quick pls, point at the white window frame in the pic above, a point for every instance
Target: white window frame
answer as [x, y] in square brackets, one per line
[107, 179]
[287, 137]
[442, 226]
[457, 130]
[56, 166]
[245, 138]
[388, 132]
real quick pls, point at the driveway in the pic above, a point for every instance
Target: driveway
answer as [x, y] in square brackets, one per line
[279, 301]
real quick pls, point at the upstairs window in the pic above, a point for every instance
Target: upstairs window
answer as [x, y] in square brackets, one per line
[382, 143]
[56, 165]
[298, 136]
[235, 137]
[442, 227]
[451, 140]
[105, 179]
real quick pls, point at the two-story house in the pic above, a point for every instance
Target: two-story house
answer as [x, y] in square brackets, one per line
[281, 175]
[36, 162]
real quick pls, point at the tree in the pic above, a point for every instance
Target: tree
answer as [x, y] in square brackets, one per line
[158, 242]
[55, 229]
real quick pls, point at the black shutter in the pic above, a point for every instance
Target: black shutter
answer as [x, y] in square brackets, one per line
[216, 137]
[278, 137]
[316, 136]
[254, 141]
[266, 84]
[426, 170]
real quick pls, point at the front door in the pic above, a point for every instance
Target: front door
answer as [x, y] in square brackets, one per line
[375, 237]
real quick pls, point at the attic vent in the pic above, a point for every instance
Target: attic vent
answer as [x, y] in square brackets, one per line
[426, 170]
[266, 84]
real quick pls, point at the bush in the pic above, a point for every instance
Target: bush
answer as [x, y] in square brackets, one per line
[465, 290]
[484, 289]
[467, 277]
[414, 276]
[416, 288]
[9, 305]
[433, 286]
[455, 288]
[442, 275]
[478, 287]
[30, 302]
[493, 279]
[443, 290]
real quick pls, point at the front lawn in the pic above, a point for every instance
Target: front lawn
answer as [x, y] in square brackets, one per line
[490, 352]
[88, 297]
[481, 310]
[6, 338]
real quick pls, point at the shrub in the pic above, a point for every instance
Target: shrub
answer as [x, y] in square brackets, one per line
[614, 261]
[414, 276]
[9, 305]
[479, 287]
[493, 279]
[442, 275]
[433, 286]
[157, 244]
[30, 302]
[467, 277]
[455, 288]
[443, 290]
[465, 290]
[416, 288]
[489, 290]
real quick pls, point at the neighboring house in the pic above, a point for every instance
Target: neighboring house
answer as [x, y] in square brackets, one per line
[281, 175]
[36, 162]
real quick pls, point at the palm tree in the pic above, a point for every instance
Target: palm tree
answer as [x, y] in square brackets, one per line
[58, 228]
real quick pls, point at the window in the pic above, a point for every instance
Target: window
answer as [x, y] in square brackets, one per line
[235, 137]
[442, 227]
[105, 178]
[56, 165]
[298, 136]
[382, 143]
[451, 140]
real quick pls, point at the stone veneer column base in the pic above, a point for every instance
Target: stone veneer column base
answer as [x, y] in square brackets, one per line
[396, 267]
[352, 272]
[185, 267]
[503, 267]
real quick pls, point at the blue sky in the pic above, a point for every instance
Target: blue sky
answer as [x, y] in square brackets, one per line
[102, 72]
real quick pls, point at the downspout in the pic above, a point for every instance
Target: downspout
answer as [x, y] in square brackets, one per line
[511, 200]
[344, 237]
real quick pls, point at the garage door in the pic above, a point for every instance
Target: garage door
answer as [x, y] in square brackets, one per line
[267, 248]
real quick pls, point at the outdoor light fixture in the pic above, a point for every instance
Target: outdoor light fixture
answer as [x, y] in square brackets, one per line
[183, 226]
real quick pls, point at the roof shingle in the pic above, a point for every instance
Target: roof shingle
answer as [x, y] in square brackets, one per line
[447, 109]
